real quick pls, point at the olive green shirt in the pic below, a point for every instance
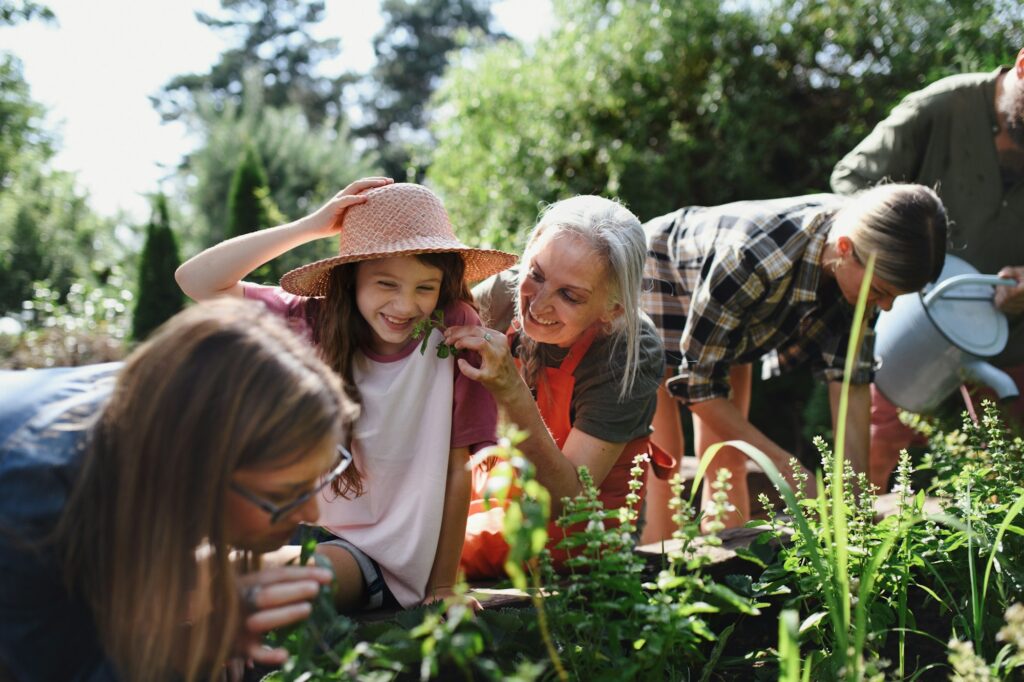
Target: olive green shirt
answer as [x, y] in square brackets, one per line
[595, 407]
[943, 137]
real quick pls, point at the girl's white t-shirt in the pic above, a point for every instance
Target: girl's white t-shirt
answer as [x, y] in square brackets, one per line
[416, 408]
[401, 447]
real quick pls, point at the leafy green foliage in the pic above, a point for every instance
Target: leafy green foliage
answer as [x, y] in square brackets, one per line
[247, 205]
[49, 235]
[303, 165]
[412, 51]
[20, 119]
[85, 325]
[14, 11]
[695, 102]
[422, 329]
[159, 297]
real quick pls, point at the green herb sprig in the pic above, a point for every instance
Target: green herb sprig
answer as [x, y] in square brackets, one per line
[422, 329]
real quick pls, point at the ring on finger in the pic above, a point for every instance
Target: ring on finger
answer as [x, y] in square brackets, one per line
[249, 597]
[487, 337]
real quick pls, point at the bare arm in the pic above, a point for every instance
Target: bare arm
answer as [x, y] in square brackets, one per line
[219, 270]
[858, 422]
[556, 469]
[725, 418]
[453, 525]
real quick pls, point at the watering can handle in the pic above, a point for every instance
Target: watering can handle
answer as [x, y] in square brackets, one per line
[962, 280]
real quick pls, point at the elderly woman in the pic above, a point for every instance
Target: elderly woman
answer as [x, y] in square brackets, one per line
[579, 366]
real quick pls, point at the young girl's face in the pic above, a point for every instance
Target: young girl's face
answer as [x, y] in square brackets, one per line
[392, 295]
[564, 290]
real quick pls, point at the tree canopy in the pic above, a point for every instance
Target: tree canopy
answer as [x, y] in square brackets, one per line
[690, 102]
[412, 51]
[276, 45]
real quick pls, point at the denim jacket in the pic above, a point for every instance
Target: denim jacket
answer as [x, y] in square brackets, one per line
[46, 633]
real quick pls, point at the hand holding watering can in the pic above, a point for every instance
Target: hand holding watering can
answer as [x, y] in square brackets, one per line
[1010, 299]
[932, 342]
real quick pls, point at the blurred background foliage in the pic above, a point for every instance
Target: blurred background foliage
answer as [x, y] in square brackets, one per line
[661, 104]
[670, 104]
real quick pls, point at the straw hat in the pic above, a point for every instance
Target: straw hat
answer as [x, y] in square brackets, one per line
[396, 220]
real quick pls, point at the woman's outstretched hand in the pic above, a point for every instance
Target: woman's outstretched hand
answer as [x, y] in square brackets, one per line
[326, 221]
[497, 371]
[272, 598]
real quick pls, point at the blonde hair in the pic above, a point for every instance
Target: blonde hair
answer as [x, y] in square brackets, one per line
[222, 386]
[903, 225]
[618, 239]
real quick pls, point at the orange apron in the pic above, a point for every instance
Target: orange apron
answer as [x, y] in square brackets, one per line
[484, 551]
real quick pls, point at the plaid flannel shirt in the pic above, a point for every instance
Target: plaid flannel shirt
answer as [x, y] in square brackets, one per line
[733, 282]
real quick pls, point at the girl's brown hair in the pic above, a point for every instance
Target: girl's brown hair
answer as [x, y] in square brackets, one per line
[339, 330]
[222, 386]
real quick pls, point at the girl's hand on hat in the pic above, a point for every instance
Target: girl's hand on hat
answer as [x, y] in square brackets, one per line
[497, 370]
[327, 220]
[1010, 300]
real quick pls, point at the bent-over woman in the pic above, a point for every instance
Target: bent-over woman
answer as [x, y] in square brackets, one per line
[778, 277]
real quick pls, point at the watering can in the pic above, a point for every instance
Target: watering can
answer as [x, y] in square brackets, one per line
[931, 342]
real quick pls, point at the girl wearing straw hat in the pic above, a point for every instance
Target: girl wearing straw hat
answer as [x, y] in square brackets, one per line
[398, 262]
[579, 368]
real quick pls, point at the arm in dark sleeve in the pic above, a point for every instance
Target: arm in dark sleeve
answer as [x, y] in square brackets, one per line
[893, 150]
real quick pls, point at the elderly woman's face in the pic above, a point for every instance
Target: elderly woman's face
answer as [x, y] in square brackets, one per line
[564, 289]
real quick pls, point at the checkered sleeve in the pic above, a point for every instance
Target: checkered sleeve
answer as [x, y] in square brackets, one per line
[729, 286]
[825, 350]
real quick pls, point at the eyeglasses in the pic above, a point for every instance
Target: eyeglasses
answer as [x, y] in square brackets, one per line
[278, 512]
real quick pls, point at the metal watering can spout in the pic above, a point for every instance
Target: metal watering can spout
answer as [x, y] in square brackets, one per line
[993, 377]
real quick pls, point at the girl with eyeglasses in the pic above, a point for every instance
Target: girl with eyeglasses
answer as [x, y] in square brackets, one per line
[134, 496]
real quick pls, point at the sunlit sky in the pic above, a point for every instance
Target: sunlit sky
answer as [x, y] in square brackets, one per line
[95, 68]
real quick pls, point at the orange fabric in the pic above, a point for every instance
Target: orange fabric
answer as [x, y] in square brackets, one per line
[484, 551]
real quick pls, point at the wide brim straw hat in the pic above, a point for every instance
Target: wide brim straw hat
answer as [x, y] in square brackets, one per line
[395, 220]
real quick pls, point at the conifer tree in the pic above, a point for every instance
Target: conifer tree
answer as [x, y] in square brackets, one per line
[247, 199]
[158, 297]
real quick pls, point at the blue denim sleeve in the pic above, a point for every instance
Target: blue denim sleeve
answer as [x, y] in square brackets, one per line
[45, 631]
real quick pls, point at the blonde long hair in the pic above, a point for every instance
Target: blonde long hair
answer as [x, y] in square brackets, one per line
[617, 237]
[903, 225]
[220, 387]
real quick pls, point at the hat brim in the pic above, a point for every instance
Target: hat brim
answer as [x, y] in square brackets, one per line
[311, 279]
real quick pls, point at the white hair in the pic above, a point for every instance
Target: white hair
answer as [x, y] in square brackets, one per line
[618, 239]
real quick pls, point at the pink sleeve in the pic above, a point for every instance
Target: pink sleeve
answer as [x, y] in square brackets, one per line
[474, 412]
[280, 302]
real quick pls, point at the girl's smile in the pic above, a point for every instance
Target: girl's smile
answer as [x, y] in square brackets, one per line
[392, 295]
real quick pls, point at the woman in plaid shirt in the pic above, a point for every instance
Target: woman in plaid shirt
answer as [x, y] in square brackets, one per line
[734, 282]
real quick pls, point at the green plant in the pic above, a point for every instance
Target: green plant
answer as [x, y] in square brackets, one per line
[159, 297]
[91, 325]
[422, 329]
